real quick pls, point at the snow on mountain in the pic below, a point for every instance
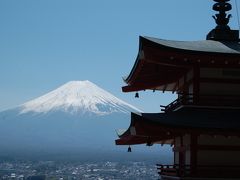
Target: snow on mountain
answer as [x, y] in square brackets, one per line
[78, 97]
[78, 116]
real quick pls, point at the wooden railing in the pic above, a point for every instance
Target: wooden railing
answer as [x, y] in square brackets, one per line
[203, 100]
[210, 171]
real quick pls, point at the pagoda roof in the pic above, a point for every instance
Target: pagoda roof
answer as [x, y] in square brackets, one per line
[209, 46]
[204, 119]
[162, 127]
[161, 63]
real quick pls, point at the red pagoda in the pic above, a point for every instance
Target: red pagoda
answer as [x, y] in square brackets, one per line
[203, 123]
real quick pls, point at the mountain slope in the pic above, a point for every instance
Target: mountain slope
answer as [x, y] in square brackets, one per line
[78, 116]
[78, 97]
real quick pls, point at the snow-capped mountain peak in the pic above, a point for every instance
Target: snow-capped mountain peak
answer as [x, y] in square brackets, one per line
[78, 97]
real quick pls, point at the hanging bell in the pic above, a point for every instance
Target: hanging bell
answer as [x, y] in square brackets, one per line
[129, 149]
[136, 95]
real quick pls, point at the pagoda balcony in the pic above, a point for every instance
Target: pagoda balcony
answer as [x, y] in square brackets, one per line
[170, 172]
[203, 101]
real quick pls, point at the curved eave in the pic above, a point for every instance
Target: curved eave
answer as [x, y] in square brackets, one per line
[152, 50]
[151, 128]
[128, 78]
[142, 132]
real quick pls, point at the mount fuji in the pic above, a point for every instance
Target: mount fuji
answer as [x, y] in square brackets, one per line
[78, 97]
[78, 116]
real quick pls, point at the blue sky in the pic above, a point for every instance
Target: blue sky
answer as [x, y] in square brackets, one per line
[44, 44]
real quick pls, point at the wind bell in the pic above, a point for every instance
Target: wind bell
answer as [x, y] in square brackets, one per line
[136, 95]
[129, 149]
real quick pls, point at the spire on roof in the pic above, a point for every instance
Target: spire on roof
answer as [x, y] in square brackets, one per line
[222, 19]
[222, 31]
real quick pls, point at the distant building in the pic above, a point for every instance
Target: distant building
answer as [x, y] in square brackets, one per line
[13, 175]
[21, 177]
[203, 123]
